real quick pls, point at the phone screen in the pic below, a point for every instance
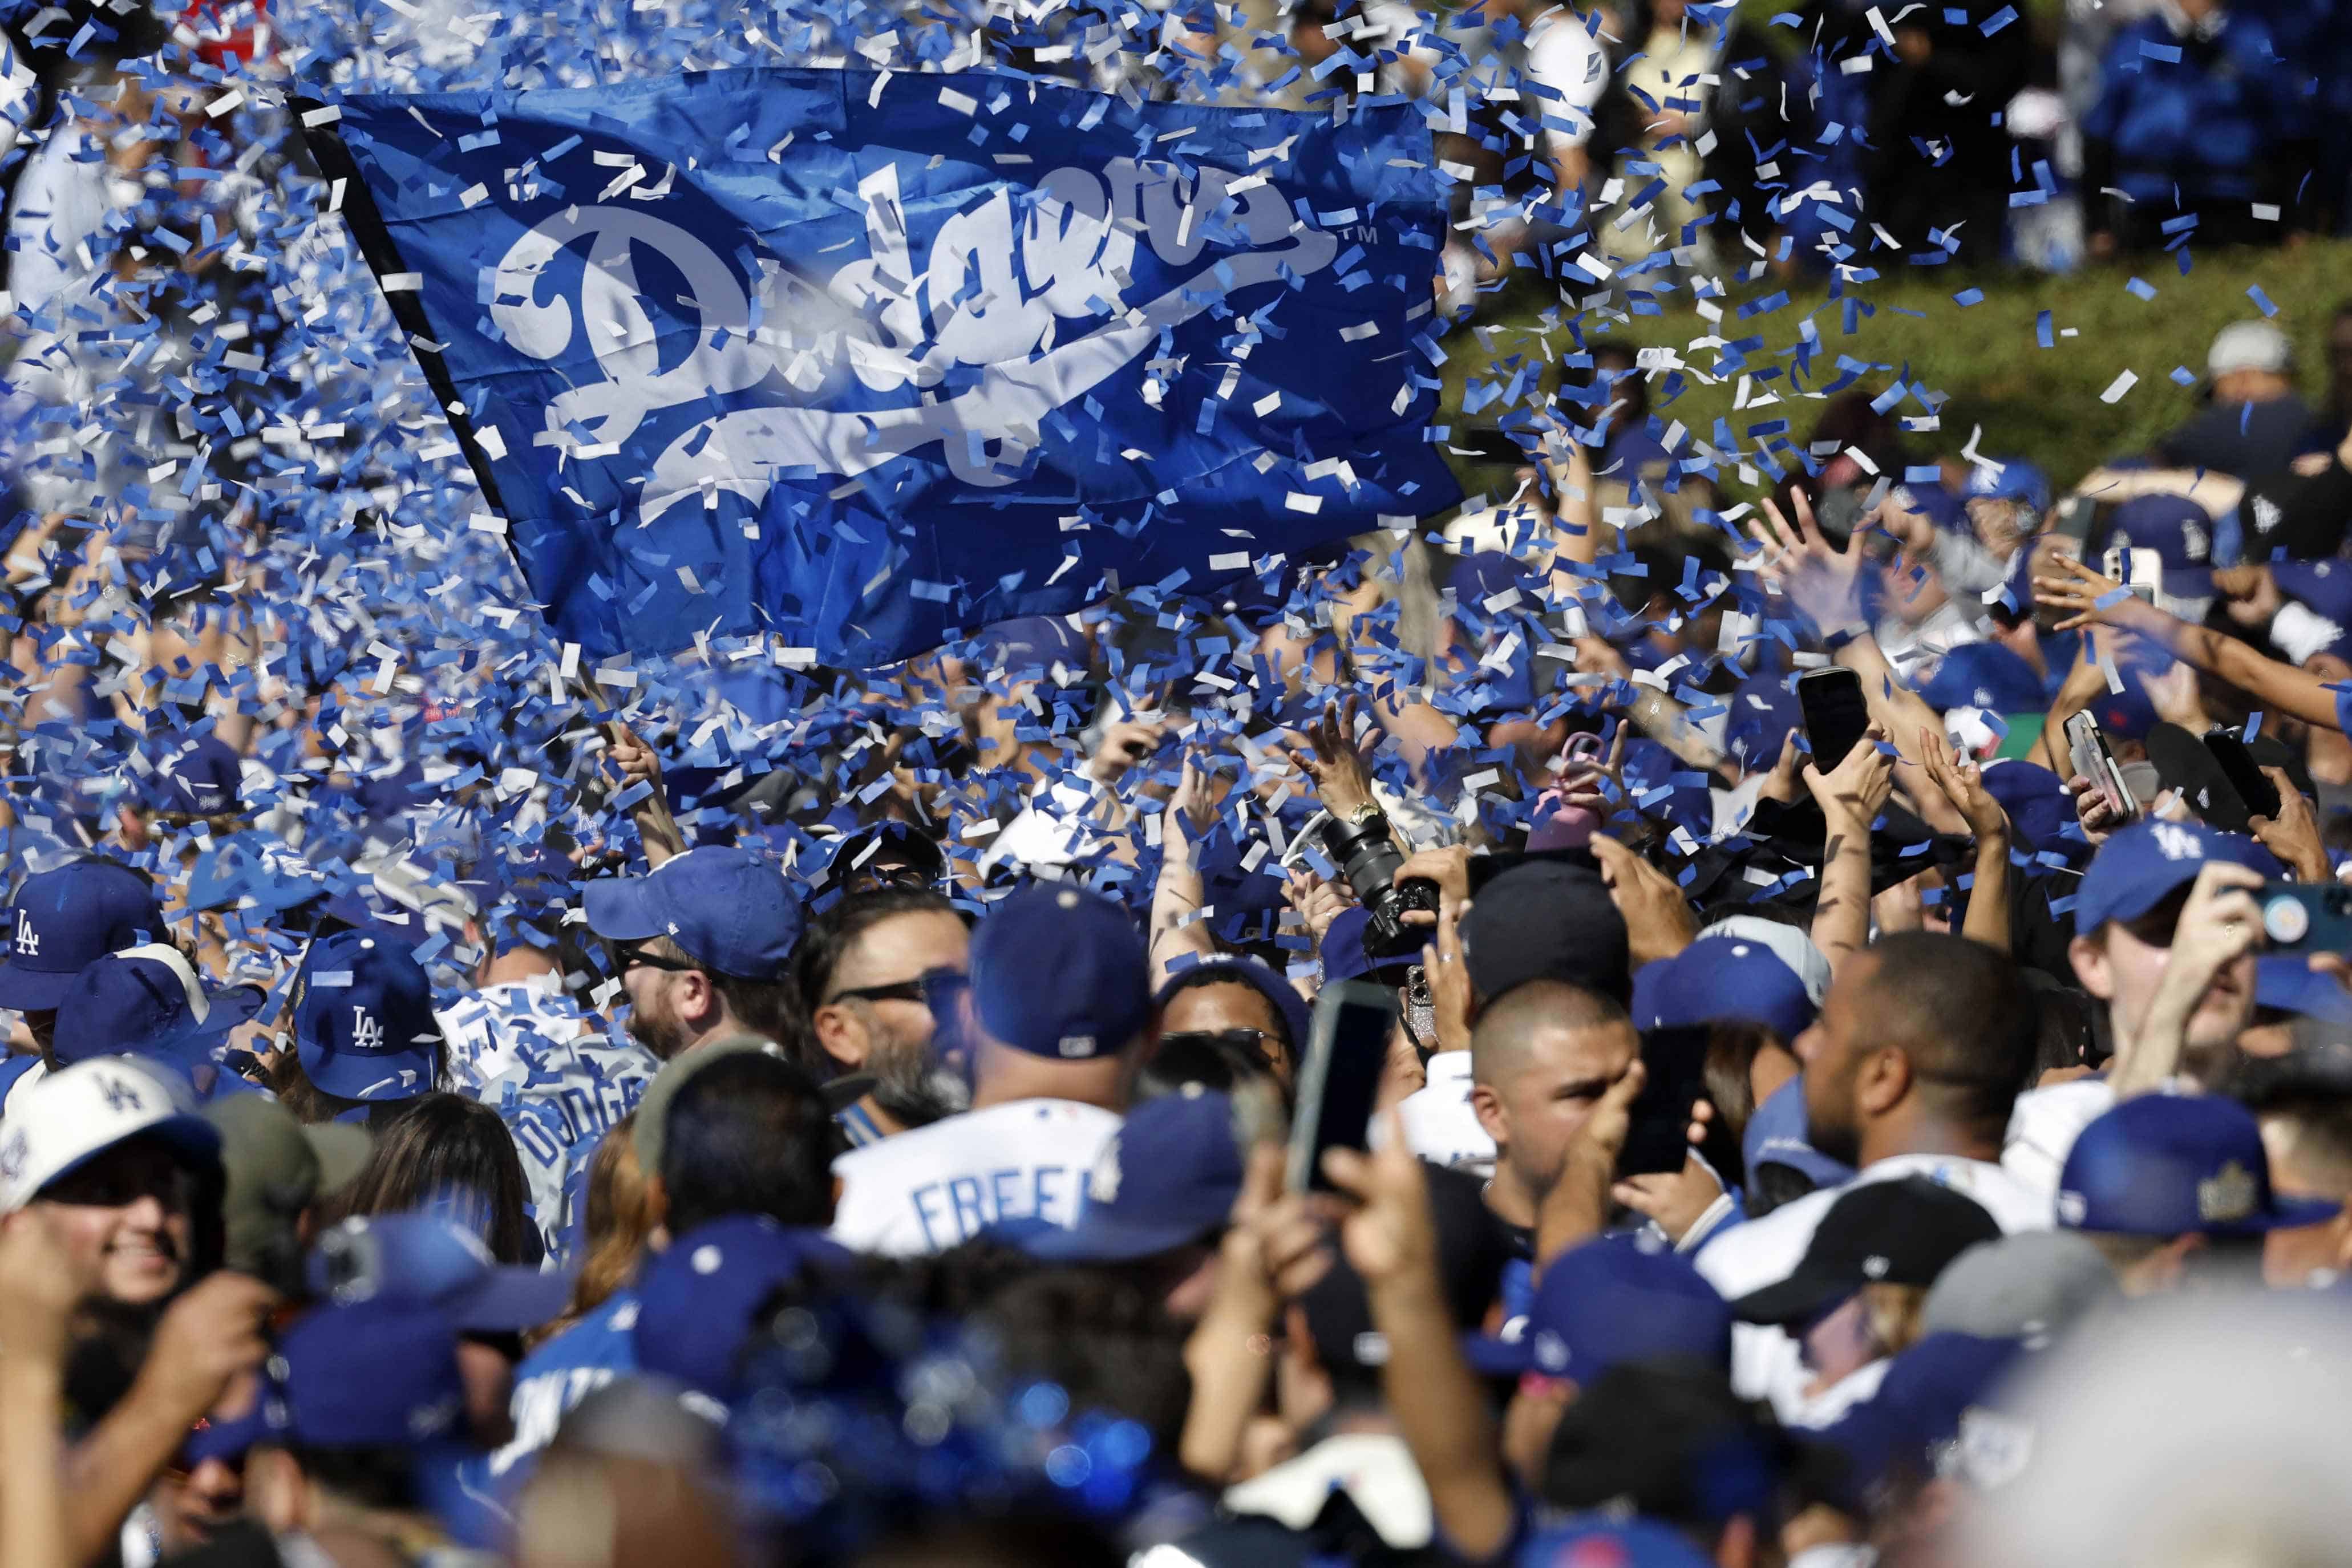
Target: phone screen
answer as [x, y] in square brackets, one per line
[1658, 1136]
[1836, 715]
[2254, 786]
[1347, 1049]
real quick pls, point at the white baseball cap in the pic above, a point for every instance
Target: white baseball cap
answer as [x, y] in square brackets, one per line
[72, 1115]
[2248, 346]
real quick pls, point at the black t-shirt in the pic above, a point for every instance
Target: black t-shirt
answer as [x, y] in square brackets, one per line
[2241, 438]
[2303, 514]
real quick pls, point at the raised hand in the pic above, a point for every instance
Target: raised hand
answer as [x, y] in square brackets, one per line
[1823, 582]
[1962, 783]
[1855, 790]
[2092, 599]
[1336, 761]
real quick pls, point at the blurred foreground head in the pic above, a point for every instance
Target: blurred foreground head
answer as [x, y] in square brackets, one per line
[2206, 1430]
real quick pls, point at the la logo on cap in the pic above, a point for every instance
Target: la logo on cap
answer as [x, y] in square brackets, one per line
[2227, 1196]
[28, 941]
[1102, 1182]
[367, 1034]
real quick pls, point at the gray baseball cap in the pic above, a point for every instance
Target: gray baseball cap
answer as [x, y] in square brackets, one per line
[2029, 1286]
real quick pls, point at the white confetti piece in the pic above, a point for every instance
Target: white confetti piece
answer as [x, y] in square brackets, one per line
[1298, 502]
[403, 282]
[2120, 386]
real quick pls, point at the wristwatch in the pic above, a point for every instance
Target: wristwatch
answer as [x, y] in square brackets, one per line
[1364, 813]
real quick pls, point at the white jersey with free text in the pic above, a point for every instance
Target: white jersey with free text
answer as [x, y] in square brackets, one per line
[937, 1187]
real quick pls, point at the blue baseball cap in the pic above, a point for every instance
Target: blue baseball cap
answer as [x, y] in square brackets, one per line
[729, 909]
[698, 1300]
[1604, 1542]
[1061, 973]
[1345, 957]
[2166, 1165]
[1609, 1301]
[372, 1374]
[1779, 1134]
[2036, 800]
[423, 1261]
[201, 776]
[1720, 978]
[1984, 675]
[2325, 586]
[364, 1018]
[146, 1001]
[257, 876]
[2011, 480]
[2174, 526]
[2143, 864]
[64, 919]
[2283, 981]
[1167, 1178]
[1927, 1391]
[1279, 994]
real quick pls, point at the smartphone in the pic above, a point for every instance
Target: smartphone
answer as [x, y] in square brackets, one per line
[2088, 748]
[1346, 1050]
[1659, 1138]
[2140, 571]
[2308, 916]
[2184, 762]
[2245, 775]
[2073, 518]
[1836, 715]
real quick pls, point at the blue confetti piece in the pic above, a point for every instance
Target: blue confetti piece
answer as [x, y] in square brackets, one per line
[2262, 301]
[2140, 289]
[1967, 297]
[1994, 23]
[2043, 332]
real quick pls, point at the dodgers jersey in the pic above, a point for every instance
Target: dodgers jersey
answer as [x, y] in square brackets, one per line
[937, 1187]
[531, 1055]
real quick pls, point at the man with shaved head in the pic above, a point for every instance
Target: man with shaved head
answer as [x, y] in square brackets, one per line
[1920, 1051]
[1540, 1058]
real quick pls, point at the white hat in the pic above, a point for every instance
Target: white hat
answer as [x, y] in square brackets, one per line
[2248, 346]
[71, 1115]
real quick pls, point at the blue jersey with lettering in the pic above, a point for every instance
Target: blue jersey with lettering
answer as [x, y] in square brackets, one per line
[937, 1186]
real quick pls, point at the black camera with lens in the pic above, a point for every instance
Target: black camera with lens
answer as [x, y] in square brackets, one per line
[1368, 855]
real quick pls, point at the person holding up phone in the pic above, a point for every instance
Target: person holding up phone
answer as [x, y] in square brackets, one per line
[2165, 933]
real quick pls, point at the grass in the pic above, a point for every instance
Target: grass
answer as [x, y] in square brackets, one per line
[1982, 361]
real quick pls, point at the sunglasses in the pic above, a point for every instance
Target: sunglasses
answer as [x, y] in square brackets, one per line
[906, 878]
[120, 1178]
[897, 991]
[625, 956]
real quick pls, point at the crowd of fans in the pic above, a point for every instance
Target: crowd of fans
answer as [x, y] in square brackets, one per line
[711, 1110]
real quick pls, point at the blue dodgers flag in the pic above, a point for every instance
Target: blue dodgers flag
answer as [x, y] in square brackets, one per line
[865, 360]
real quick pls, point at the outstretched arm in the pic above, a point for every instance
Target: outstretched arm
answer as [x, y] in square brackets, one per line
[2098, 601]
